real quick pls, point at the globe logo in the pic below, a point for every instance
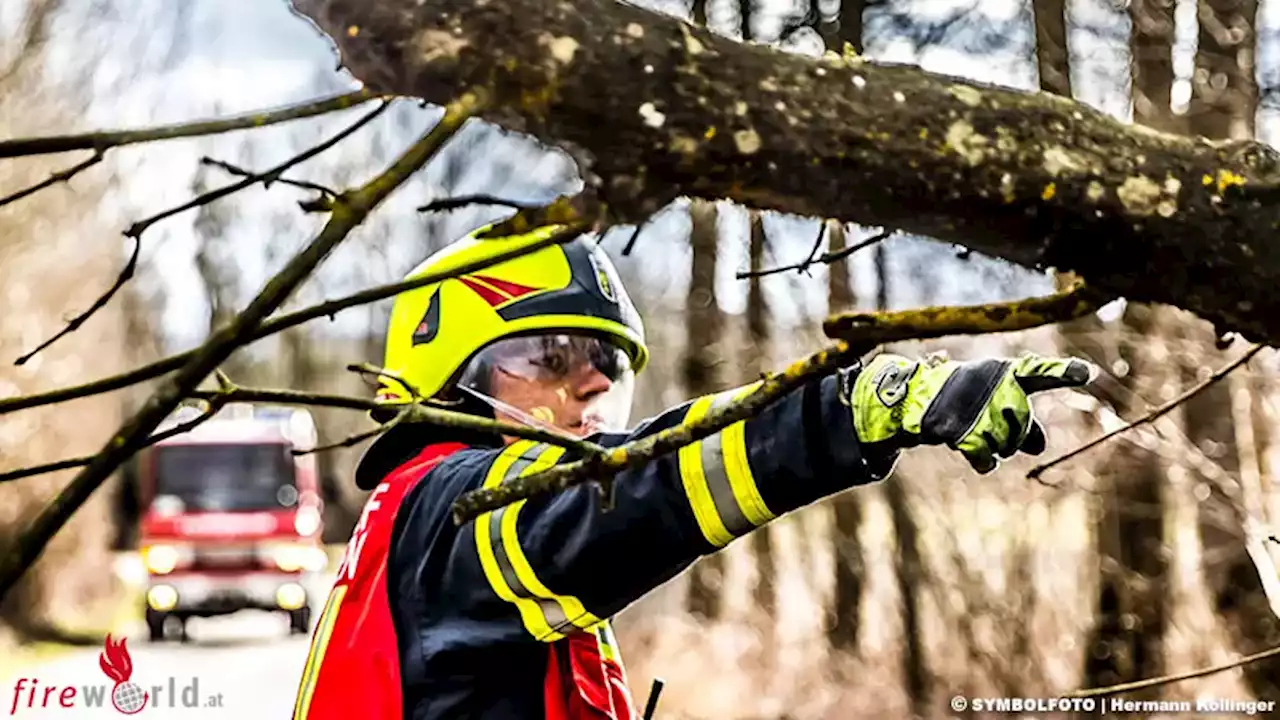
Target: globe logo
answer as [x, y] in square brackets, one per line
[127, 697]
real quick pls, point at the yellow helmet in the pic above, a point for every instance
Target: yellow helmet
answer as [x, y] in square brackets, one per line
[435, 330]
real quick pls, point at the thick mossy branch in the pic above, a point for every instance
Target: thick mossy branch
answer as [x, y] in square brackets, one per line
[924, 323]
[860, 332]
[349, 210]
[1030, 177]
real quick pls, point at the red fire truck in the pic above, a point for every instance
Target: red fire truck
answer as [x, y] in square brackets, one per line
[231, 518]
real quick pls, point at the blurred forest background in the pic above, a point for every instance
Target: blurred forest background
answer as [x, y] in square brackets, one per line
[882, 602]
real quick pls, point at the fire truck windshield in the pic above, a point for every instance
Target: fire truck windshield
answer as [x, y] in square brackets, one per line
[225, 478]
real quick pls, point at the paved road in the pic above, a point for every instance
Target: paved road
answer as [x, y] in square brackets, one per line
[249, 660]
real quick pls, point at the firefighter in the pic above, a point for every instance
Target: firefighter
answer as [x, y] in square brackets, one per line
[508, 616]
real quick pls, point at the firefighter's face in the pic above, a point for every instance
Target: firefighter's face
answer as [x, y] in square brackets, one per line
[580, 385]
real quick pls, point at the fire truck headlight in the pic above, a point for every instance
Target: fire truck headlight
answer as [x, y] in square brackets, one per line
[161, 559]
[291, 596]
[162, 598]
[307, 521]
[291, 557]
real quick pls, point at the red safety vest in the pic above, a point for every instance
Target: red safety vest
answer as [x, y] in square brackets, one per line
[353, 668]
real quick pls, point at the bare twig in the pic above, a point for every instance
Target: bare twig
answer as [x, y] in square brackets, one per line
[266, 181]
[349, 210]
[215, 404]
[861, 333]
[418, 413]
[266, 177]
[54, 178]
[358, 437]
[1035, 472]
[74, 324]
[102, 141]
[325, 309]
[453, 203]
[635, 235]
[134, 232]
[825, 258]
[1170, 679]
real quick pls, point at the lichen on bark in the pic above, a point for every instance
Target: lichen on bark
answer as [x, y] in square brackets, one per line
[1030, 177]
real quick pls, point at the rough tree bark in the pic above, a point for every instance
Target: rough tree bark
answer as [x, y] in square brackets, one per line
[1029, 177]
[700, 372]
[849, 567]
[759, 342]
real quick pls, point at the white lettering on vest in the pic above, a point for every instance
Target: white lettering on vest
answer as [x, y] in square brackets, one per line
[347, 570]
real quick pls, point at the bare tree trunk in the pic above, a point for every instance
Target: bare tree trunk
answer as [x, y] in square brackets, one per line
[909, 569]
[759, 351]
[1052, 53]
[211, 224]
[698, 12]
[701, 375]
[1131, 615]
[849, 566]
[1224, 91]
[1133, 606]
[845, 27]
[746, 19]
[1224, 105]
[1151, 65]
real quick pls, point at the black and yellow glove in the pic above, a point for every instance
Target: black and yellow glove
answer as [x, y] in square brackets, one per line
[979, 407]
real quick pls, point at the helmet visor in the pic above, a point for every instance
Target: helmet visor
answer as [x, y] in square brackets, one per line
[581, 384]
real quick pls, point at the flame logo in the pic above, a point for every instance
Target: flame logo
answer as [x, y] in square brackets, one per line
[115, 661]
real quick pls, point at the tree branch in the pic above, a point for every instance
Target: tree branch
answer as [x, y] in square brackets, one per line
[1170, 679]
[859, 333]
[1030, 177]
[214, 405]
[453, 203]
[134, 232]
[418, 413]
[825, 258]
[54, 178]
[328, 308]
[357, 438]
[349, 210]
[266, 181]
[1035, 472]
[103, 141]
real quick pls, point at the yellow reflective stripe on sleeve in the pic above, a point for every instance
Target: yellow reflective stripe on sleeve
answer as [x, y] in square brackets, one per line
[738, 469]
[695, 482]
[717, 477]
[315, 656]
[544, 613]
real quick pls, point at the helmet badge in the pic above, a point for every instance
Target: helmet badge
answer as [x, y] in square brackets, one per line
[429, 325]
[603, 279]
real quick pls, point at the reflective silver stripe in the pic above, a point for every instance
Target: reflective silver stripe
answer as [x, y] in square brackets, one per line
[712, 454]
[551, 609]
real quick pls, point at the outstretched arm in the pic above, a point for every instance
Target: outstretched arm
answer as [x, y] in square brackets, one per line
[563, 562]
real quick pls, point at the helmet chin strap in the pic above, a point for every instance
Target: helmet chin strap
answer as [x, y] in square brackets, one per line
[515, 412]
